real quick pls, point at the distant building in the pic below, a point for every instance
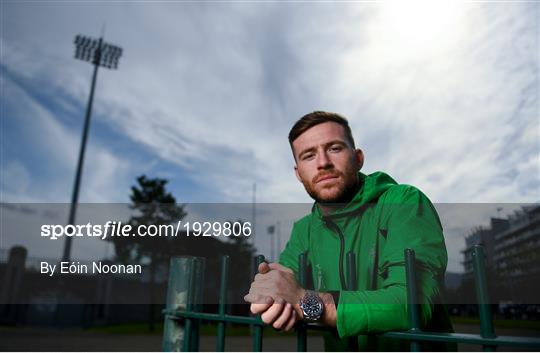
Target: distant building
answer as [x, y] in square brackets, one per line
[484, 236]
[512, 249]
[517, 248]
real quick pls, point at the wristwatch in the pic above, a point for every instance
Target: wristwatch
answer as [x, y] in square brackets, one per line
[312, 306]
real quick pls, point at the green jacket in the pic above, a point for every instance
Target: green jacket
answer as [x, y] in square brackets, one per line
[382, 220]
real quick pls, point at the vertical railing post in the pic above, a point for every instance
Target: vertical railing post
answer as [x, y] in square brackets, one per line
[484, 309]
[258, 329]
[183, 272]
[301, 339]
[220, 343]
[412, 296]
[194, 296]
[352, 342]
[198, 301]
[189, 307]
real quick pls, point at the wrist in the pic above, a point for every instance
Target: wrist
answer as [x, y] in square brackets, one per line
[301, 294]
[329, 317]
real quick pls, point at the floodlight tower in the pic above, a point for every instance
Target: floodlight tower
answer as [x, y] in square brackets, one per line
[99, 53]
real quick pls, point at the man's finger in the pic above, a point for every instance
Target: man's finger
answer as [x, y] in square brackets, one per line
[262, 277]
[259, 308]
[263, 267]
[292, 321]
[273, 312]
[283, 317]
[276, 266]
[257, 298]
[253, 297]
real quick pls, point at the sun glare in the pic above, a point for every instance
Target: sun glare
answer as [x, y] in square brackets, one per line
[420, 25]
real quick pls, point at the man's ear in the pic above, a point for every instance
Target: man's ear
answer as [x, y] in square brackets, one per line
[359, 157]
[296, 173]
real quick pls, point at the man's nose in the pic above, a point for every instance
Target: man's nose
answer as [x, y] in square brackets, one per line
[323, 162]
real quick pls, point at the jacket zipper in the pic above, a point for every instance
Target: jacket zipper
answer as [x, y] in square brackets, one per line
[333, 226]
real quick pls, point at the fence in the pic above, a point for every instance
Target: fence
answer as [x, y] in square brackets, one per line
[183, 311]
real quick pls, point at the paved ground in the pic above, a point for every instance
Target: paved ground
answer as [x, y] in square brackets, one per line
[34, 339]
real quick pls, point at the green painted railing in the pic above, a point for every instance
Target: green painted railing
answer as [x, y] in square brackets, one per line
[183, 311]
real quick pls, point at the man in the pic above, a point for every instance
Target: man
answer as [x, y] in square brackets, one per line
[370, 215]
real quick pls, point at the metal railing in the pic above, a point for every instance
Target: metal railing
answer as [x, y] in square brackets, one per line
[183, 311]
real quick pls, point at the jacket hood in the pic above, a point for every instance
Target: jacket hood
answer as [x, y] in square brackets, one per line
[371, 187]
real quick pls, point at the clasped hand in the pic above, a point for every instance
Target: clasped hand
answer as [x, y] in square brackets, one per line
[276, 295]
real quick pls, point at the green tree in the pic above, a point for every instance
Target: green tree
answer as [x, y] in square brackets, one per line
[152, 205]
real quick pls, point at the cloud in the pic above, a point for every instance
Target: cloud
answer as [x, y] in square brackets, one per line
[237, 85]
[205, 95]
[15, 179]
[445, 117]
[45, 172]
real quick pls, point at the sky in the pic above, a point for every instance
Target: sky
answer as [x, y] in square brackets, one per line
[440, 95]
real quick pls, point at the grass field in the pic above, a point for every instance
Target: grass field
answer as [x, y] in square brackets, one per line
[210, 329]
[515, 324]
[206, 330]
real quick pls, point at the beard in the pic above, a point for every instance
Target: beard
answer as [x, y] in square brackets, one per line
[339, 192]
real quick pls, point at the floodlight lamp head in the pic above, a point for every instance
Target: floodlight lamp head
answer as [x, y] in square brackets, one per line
[97, 51]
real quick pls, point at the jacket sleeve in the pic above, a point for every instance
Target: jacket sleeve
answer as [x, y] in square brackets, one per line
[410, 223]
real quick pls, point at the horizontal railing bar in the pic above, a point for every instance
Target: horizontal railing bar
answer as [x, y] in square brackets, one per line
[524, 342]
[179, 314]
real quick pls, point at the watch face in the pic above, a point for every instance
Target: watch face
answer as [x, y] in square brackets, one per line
[312, 307]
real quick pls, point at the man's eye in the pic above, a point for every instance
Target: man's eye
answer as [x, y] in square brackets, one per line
[308, 156]
[335, 148]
